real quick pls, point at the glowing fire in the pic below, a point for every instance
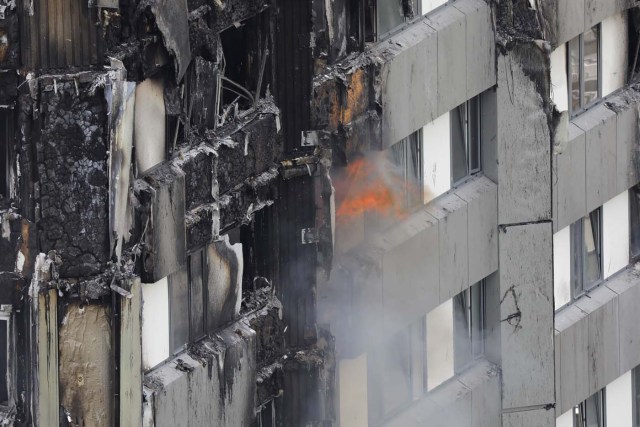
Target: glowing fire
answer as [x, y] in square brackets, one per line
[371, 185]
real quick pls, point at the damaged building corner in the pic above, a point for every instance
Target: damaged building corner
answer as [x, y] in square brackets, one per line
[319, 213]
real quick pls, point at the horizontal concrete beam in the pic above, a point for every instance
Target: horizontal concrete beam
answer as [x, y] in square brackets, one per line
[596, 339]
[399, 275]
[424, 71]
[601, 158]
[567, 19]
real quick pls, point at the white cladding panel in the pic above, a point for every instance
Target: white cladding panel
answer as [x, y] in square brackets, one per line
[440, 344]
[353, 391]
[155, 323]
[436, 137]
[615, 234]
[149, 135]
[619, 402]
[559, 86]
[429, 5]
[562, 267]
[565, 420]
[614, 52]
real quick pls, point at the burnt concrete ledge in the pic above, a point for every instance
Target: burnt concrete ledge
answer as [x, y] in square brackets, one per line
[405, 82]
[399, 275]
[469, 399]
[596, 338]
[214, 380]
[600, 160]
[565, 19]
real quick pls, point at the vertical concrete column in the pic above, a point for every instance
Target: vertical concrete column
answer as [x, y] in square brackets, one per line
[525, 238]
[47, 359]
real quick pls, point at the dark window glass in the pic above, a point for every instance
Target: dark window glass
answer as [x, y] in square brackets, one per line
[634, 222]
[465, 140]
[407, 156]
[390, 15]
[459, 143]
[179, 310]
[574, 73]
[590, 65]
[592, 249]
[6, 138]
[197, 297]
[586, 252]
[584, 69]
[590, 413]
[636, 396]
[4, 340]
[469, 325]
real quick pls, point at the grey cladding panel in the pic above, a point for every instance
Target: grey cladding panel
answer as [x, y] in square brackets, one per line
[171, 405]
[449, 22]
[599, 125]
[629, 319]
[595, 11]
[572, 344]
[481, 65]
[410, 92]
[524, 175]
[410, 279]
[534, 418]
[451, 213]
[603, 346]
[570, 19]
[482, 218]
[526, 295]
[628, 156]
[570, 171]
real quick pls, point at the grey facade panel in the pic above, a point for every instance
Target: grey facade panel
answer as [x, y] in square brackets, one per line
[410, 276]
[450, 24]
[570, 171]
[599, 125]
[451, 212]
[603, 346]
[482, 213]
[480, 45]
[595, 11]
[628, 157]
[410, 90]
[524, 175]
[526, 288]
[570, 19]
[532, 418]
[572, 345]
[629, 319]
[489, 135]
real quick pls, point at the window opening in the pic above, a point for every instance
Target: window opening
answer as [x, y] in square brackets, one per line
[586, 252]
[407, 156]
[188, 302]
[465, 140]
[5, 338]
[584, 70]
[634, 223]
[469, 325]
[591, 412]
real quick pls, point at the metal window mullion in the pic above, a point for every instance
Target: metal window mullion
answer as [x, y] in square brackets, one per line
[581, 71]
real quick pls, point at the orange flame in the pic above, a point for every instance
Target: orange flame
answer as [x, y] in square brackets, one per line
[371, 188]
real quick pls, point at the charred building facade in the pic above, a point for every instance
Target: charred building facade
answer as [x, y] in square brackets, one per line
[319, 213]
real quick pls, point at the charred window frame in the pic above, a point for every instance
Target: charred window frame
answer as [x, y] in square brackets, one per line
[584, 70]
[465, 141]
[634, 223]
[407, 156]
[469, 325]
[591, 412]
[586, 253]
[188, 303]
[5, 351]
[6, 143]
[266, 416]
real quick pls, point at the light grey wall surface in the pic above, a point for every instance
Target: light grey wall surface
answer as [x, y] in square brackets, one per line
[434, 65]
[526, 310]
[600, 160]
[596, 338]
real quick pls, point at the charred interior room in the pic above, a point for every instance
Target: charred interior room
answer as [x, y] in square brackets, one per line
[320, 213]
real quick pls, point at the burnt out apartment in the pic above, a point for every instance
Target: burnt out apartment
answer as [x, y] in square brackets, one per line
[320, 213]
